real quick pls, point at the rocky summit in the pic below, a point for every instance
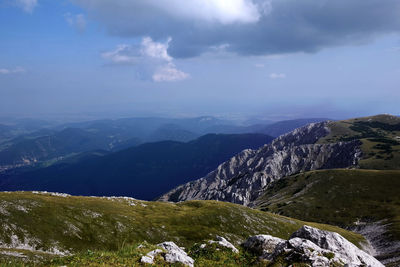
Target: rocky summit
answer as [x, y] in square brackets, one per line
[245, 176]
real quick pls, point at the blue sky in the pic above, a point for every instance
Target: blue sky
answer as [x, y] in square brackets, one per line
[273, 58]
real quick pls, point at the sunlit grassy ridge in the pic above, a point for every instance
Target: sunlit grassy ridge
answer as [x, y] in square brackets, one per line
[380, 137]
[77, 224]
[339, 197]
[211, 255]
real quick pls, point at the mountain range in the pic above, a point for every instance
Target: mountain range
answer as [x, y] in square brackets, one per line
[145, 171]
[44, 146]
[342, 173]
[370, 143]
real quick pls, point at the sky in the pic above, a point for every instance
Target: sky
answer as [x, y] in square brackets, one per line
[275, 59]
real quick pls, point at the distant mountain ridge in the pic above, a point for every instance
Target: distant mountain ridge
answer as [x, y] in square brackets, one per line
[49, 145]
[144, 172]
[282, 127]
[63, 143]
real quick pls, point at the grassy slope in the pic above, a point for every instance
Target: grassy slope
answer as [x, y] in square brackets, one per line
[211, 255]
[380, 137]
[339, 197]
[81, 223]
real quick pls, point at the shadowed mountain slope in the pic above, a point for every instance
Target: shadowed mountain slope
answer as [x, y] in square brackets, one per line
[144, 172]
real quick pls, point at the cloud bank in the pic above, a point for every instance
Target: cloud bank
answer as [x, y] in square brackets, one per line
[248, 27]
[149, 56]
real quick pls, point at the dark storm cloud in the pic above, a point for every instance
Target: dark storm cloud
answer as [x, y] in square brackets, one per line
[262, 27]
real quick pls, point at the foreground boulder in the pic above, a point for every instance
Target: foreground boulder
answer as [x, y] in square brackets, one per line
[149, 257]
[176, 254]
[172, 254]
[262, 244]
[312, 246]
[337, 244]
[224, 243]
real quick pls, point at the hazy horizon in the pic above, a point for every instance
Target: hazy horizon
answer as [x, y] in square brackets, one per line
[270, 59]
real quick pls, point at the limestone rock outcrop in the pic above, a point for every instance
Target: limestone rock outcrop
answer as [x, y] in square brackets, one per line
[245, 176]
[311, 246]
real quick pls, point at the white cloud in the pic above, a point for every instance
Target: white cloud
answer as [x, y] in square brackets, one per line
[155, 50]
[149, 56]
[122, 54]
[259, 65]
[222, 11]
[250, 27]
[12, 71]
[277, 75]
[77, 21]
[225, 12]
[169, 73]
[26, 5]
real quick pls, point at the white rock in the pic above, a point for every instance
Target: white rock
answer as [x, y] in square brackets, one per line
[310, 245]
[147, 259]
[153, 253]
[303, 245]
[176, 254]
[56, 194]
[334, 242]
[224, 243]
[311, 252]
[263, 244]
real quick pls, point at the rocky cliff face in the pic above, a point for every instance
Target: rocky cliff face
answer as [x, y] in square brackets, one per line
[242, 179]
[313, 247]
